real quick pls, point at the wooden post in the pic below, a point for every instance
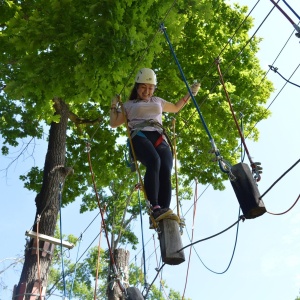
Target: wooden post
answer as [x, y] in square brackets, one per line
[21, 294]
[134, 294]
[246, 191]
[170, 242]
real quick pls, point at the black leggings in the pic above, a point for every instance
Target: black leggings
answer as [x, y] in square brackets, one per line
[158, 162]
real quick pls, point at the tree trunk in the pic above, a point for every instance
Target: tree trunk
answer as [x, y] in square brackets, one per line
[34, 276]
[114, 292]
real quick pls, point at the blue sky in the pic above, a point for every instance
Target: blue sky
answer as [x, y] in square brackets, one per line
[266, 264]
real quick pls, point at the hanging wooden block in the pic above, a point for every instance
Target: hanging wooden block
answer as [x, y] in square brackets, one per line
[36, 291]
[46, 247]
[21, 293]
[170, 242]
[35, 247]
[134, 294]
[246, 191]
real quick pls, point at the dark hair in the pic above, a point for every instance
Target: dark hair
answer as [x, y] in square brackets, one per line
[133, 94]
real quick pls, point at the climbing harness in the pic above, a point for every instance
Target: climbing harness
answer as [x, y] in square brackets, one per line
[137, 130]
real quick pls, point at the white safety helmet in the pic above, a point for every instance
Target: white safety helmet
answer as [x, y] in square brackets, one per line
[146, 75]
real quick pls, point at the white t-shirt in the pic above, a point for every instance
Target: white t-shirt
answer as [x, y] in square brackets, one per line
[138, 111]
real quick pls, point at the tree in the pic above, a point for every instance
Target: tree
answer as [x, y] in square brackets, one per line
[61, 62]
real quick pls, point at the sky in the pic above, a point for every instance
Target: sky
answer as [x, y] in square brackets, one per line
[266, 262]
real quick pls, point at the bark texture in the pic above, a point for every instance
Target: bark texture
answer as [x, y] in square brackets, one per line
[34, 275]
[114, 291]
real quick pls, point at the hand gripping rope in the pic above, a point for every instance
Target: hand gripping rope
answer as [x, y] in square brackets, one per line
[224, 165]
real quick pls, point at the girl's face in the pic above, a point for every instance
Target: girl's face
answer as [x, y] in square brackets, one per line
[145, 91]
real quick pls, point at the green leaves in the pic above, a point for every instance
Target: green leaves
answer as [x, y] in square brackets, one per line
[87, 51]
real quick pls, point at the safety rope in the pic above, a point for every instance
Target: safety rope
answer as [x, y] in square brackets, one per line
[75, 268]
[282, 213]
[98, 262]
[291, 9]
[193, 227]
[103, 222]
[210, 237]
[143, 243]
[38, 255]
[157, 263]
[158, 271]
[224, 165]
[61, 240]
[287, 80]
[175, 163]
[232, 255]
[256, 169]
[297, 28]
[277, 180]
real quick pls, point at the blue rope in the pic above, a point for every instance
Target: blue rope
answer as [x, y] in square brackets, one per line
[291, 9]
[74, 276]
[61, 248]
[163, 28]
[142, 230]
[214, 147]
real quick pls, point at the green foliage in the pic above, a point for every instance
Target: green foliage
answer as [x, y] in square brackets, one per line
[84, 52]
[87, 51]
